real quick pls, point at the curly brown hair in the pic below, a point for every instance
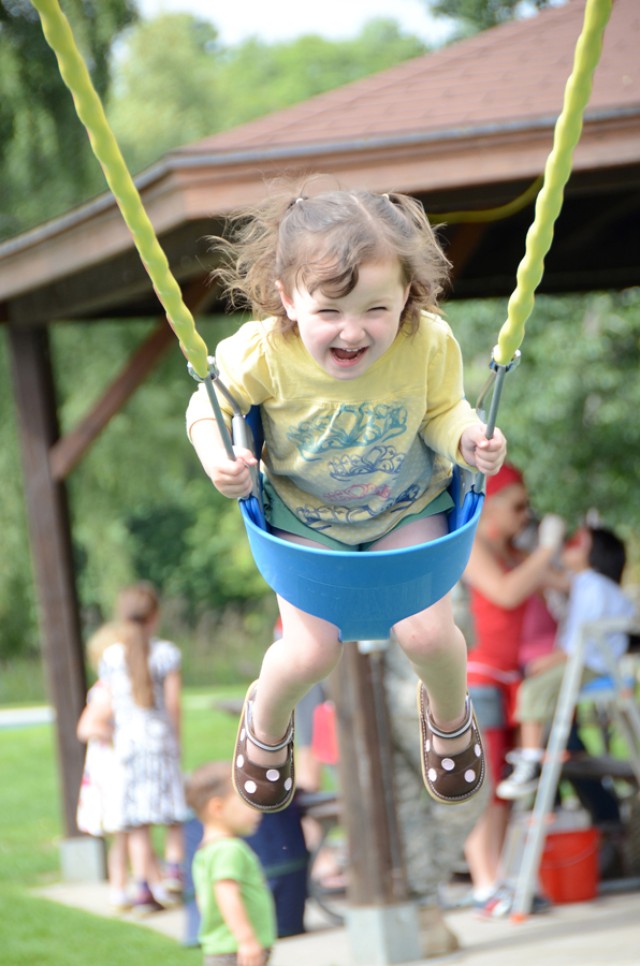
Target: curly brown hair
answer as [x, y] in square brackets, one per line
[319, 241]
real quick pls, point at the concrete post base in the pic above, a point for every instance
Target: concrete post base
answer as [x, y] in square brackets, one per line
[379, 935]
[83, 859]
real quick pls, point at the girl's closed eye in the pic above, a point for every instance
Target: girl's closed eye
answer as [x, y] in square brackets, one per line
[346, 335]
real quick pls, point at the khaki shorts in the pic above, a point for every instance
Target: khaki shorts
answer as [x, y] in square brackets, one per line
[538, 695]
[280, 517]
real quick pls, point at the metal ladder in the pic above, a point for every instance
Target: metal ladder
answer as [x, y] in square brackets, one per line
[525, 841]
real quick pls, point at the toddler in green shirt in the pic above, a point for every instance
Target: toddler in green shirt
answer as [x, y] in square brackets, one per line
[238, 925]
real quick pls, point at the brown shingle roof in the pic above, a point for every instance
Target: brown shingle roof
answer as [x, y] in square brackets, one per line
[508, 75]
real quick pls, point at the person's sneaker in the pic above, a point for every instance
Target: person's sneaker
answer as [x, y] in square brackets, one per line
[500, 904]
[497, 906]
[173, 879]
[145, 903]
[162, 895]
[522, 781]
[119, 900]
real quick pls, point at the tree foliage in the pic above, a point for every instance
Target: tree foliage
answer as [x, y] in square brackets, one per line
[176, 82]
[46, 164]
[567, 410]
[18, 619]
[472, 16]
[163, 93]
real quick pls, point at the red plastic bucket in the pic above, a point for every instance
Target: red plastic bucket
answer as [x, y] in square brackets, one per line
[569, 865]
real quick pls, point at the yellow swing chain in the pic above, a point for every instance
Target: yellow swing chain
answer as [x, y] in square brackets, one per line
[556, 174]
[75, 75]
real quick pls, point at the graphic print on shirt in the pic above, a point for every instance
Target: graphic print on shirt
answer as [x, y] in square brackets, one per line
[351, 442]
[348, 426]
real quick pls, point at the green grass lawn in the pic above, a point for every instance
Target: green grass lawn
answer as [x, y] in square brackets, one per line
[37, 932]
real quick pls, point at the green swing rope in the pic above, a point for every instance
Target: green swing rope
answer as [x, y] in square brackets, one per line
[89, 108]
[556, 174]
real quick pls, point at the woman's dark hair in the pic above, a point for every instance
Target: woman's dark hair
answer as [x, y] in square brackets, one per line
[608, 555]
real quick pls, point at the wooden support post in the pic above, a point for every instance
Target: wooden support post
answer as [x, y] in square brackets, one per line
[381, 920]
[50, 538]
[376, 868]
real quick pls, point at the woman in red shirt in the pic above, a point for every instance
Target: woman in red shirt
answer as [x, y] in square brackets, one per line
[504, 584]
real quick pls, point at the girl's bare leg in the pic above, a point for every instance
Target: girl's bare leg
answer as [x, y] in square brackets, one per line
[433, 643]
[118, 862]
[307, 652]
[174, 844]
[143, 858]
[483, 847]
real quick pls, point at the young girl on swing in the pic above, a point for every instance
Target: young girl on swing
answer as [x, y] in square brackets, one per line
[362, 401]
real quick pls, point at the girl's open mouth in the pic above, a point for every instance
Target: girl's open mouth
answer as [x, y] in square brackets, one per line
[347, 357]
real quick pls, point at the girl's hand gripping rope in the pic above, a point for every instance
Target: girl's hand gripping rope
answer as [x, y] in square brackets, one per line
[487, 455]
[232, 478]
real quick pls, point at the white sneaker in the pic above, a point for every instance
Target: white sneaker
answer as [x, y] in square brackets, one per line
[521, 782]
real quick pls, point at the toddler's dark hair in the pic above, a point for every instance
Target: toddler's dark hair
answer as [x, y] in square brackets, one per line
[212, 780]
[320, 241]
[608, 554]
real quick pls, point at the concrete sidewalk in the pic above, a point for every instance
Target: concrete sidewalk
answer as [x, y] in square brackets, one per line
[605, 931]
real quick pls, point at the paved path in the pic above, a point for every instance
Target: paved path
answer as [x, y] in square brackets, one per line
[21, 717]
[599, 933]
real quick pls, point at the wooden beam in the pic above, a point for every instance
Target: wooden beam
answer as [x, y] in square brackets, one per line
[114, 287]
[465, 241]
[50, 538]
[67, 451]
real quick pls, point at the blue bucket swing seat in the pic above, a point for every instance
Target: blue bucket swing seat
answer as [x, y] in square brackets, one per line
[363, 593]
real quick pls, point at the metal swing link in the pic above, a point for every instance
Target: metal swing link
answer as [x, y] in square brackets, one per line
[240, 432]
[495, 380]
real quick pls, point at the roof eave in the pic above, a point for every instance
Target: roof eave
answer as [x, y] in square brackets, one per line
[188, 185]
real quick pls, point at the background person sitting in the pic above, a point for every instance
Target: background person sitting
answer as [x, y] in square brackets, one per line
[596, 557]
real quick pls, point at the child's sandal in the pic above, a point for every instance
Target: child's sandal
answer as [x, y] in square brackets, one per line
[265, 788]
[450, 779]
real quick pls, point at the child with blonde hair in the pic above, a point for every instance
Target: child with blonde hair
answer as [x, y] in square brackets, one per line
[359, 382]
[97, 812]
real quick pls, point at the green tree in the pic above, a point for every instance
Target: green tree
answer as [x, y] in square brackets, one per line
[46, 164]
[164, 92]
[176, 83]
[257, 78]
[567, 410]
[18, 634]
[472, 16]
